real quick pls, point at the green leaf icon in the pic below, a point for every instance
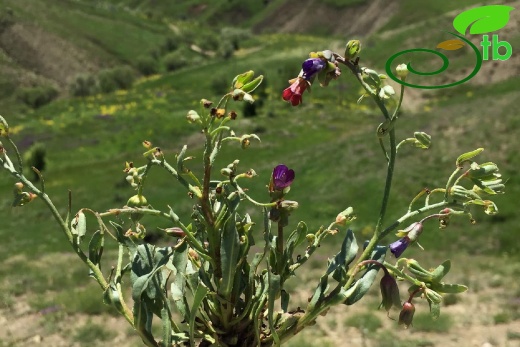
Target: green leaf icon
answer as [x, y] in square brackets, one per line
[482, 19]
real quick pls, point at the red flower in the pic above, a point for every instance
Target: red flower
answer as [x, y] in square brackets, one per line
[293, 93]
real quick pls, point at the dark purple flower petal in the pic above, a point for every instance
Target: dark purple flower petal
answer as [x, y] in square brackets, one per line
[312, 66]
[282, 177]
[389, 292]
[397, 248]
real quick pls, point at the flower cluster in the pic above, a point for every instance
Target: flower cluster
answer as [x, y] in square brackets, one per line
[321, 64]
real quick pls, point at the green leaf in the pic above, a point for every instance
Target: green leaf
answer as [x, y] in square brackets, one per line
[483, 19]
[199, 295]
[435, 309]
[79, 226]
[296, 238]
[143, 317]
[345, 256]
[363, 284]
[111, 297]
[467, 156]
[273, 292]
[95, 248]
[229, 251]
[449, 288]
[319, 293]
[146, 264]
[441, 271]
[178, 286]
[166, 326]
[285, 300]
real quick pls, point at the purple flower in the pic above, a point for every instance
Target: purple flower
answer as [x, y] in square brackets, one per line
[389, 292]
[282, 177]
[311, 66]
[397, 248]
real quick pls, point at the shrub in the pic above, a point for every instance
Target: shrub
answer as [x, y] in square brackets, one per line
[83, 85]
[121, 77]
[147, 65]
[174, 61]
[36, 97]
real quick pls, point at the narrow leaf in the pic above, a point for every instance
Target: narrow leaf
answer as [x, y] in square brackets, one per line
[449, 288]
[274, 291]
[199, 295]
[346, 255]
[229, 250]
[441, 271]
[363, 284]
[467, 156]
[95, 247]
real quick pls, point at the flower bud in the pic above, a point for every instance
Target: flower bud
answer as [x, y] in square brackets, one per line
[346, 216]
[406, 315]
[386, 92]
[193, 116]
[389, 292]
[175, 232]
[288, 205]
[226, 172]
[352, 49]
[483, 171]
[371, 77]
[136, 201]
[18, 186]
[240, 80]
[402, 71]
[461, 193]
[423, 140]
[413, 231]
[310, 238]
[206, 103]
[220, 112]
[244, 142]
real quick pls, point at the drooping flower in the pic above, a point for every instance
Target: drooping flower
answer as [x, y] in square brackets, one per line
[282, 177]
[293, 93]
[406, 315]
[389, 292]
[397, 248]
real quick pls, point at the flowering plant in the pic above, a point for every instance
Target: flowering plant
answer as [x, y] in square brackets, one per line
[206, 288]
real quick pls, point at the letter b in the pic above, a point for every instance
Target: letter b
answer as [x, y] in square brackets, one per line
[496, 46]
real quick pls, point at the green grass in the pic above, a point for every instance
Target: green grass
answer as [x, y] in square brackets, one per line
[367, 322]
[422, 321]
[92, 333]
